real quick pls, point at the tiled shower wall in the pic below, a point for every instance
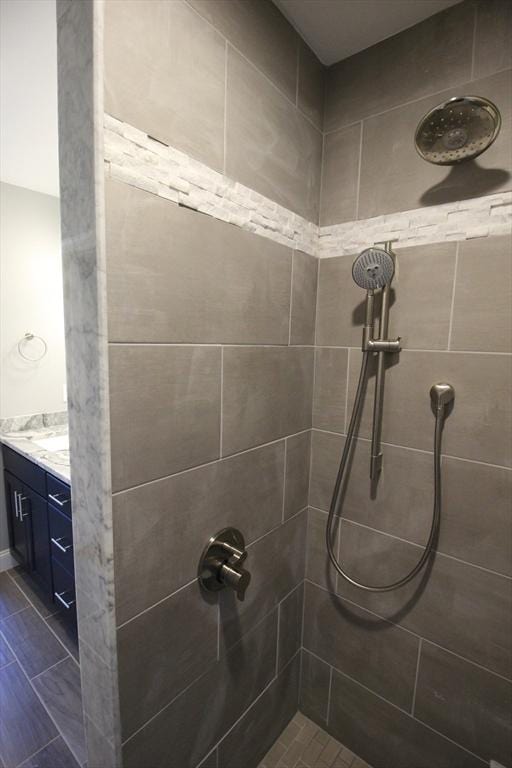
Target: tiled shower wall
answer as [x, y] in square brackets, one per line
[211, 334]
[420, 676]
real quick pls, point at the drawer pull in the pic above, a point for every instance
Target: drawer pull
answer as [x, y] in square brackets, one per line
[23, 514]
[59, 597]
[55, 497]
[61, 546]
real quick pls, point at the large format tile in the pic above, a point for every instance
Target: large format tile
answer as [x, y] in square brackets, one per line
[290, 626]
[276, 565]
[420, 60]
[462, 608]
[11, 599]
[330, 389]
[482, 311]
[395, 178]
[340, 304]
[164, 74]
[340, 175]
[303, 309]
[164, 410]
[177, 639]
[466, 703]
[298, 448]
[6, 656]
[24, 725]
[55, 755]
[173, 274]
[261, 725]
[493, 38]
[36, 647]
[378, 654]
[476, 524]
[60, 691]
[180, 735]
[480, 422]
[261, 32]
[270, 146]
[318, 566]
[385, 736]
[314, 687]
[181, 513]
[267, 394]
[310, 93]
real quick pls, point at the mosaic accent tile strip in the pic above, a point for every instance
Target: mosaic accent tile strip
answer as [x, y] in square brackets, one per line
[303, 744]
[137, 159]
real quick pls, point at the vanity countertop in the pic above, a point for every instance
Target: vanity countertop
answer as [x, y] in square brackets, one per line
[51, 455]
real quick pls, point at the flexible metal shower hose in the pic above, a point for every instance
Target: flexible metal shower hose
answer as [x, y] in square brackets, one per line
[339, 485]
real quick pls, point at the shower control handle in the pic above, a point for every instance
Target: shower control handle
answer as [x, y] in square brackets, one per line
[220, 565]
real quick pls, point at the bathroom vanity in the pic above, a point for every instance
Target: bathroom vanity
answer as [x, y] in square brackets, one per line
[39, 514]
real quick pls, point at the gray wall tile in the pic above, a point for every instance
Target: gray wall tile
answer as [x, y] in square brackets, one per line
[164, 410]
[261, 32]
[257, 730]
[303, 309]
[267, 393]
[482, 313]
[372, 728]
[276, 564]
[476, 523]
[180, 514]
[462, 608]
[318, 566]
[340, 177]
[311, 85]
[163, 650]
[378, 654]
[330, 389]
[165, 74]
[290, 627]
[270, 146]
[175, 275]
[481, 421]
[466, 703]
[340, 304]
[395, 178]
[493, 39]
[181, 735]
[298, 449]
[314, 688]
[427, 57]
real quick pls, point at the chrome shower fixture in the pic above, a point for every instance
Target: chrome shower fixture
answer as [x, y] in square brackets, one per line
[374, 268]
[459, 129]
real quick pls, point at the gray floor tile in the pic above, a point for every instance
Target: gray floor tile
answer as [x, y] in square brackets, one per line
[33, 593]
[6, 656]
[11, 599]
[36, 646]
[55, 755]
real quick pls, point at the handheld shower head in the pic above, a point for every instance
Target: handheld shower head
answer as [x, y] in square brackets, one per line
[373, 268]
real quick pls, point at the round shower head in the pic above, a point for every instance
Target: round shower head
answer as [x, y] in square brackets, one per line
[461, 128]
[374, 268]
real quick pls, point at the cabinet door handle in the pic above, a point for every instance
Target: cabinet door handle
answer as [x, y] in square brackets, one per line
[54, 498]
[23, 514]
[65, 603]
[59, 545]
[16, 509]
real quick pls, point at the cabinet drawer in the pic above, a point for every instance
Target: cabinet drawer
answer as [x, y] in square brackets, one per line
[59, 494]
[63, 587]
[26, 471]
[61, 539]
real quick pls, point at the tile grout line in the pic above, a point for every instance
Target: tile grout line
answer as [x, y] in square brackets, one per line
[473, 44]
[35, 691]
[452, 304]
[345, 423]
[404, 629]
[412, 350]
[395, 706]
[359, 166]
[221, 407]
[31, 604]
[329, 694]
[278, 635]
[225, 126]
[413, 703]
[34, 754]
[291, 300]
[283, 506]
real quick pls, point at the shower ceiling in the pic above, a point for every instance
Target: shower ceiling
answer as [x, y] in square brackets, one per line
[335, 29]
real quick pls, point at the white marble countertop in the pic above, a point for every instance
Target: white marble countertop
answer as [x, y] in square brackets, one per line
[54, 461]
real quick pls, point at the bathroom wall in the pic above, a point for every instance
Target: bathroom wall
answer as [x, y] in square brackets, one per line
[422, 675]
[211, 333]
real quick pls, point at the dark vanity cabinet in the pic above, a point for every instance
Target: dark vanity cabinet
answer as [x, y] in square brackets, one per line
[40, 527]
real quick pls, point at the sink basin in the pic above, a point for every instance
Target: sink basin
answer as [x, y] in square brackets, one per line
[57, 443]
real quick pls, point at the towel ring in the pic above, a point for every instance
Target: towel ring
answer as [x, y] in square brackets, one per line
[30, 337]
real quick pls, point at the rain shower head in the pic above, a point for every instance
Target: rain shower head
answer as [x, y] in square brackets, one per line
[373, 268]
[458, 129]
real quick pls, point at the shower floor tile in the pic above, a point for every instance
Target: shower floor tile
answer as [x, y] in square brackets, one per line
[303, 744]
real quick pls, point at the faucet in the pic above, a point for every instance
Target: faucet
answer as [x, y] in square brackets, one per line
[220, 565]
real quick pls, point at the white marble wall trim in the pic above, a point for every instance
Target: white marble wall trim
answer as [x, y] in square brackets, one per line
[135, 158]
